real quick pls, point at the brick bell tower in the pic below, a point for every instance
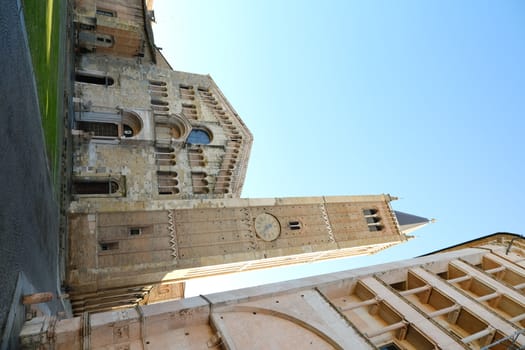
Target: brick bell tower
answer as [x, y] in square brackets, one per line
[121, 258]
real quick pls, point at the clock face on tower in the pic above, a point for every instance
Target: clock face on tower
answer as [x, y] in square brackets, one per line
[267, 227]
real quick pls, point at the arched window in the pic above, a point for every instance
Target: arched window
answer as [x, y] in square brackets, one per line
[199, 136]
[126, 124]
[368, 212]
[199, 183]
[376, 227]
[373, 219]
[167, 182]
[131, 124]
[294, 225]
[165, 156]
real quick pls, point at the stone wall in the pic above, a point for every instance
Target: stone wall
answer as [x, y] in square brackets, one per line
[466, 298]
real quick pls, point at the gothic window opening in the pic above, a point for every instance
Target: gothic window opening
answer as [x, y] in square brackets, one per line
[88, 78]
[199, 137]
[94, 187]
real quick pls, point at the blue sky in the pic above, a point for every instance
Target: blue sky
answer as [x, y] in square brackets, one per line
[422, 100]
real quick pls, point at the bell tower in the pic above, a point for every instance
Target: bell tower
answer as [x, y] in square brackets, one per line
[149, 253]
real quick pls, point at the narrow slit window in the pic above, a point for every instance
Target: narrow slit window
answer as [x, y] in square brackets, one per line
[104, 246]
[104, 40]
[104, 12]
[135, 231]
[157, 102]
[157, 83]
[88, 78]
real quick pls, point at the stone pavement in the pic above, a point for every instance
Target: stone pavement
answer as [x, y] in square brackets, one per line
[29, 213]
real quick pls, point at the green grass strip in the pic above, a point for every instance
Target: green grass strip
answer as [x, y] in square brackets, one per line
[43, 29]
